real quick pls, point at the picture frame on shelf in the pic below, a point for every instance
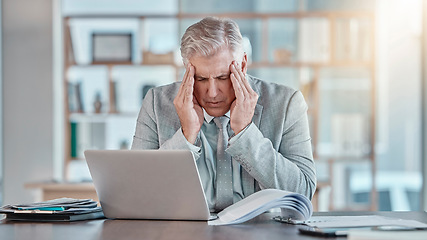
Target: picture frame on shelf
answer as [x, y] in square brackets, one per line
[111, 47]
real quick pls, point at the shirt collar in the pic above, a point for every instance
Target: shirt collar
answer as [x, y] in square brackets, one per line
[209, 118]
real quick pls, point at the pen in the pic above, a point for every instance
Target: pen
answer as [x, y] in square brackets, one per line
[44, 208]
[33, 211]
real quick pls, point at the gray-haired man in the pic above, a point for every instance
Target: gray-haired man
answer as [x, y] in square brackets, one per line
[245, 134]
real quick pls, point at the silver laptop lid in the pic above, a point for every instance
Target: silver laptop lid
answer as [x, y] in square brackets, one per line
[148, 184]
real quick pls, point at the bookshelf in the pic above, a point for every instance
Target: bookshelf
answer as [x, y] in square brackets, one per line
[316, 45]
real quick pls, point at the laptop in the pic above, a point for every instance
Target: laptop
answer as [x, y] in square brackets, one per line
[148, 184]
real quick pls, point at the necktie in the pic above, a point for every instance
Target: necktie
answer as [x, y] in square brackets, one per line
[224, 184]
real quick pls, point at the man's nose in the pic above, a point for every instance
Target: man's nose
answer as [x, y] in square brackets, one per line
[212, 88]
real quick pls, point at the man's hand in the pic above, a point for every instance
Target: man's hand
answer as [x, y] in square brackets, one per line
[243, 108]
[189, 111]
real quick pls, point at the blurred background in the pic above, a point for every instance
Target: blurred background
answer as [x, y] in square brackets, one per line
[74, 73]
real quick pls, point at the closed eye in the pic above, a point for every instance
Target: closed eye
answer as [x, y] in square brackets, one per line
[223, 77]
[201, 79]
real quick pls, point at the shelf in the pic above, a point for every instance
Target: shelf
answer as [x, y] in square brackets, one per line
[249, 15]
[112, 64]
[251, 65]
[343, 159]
[99, 117]
[333, 23]
[310, 64]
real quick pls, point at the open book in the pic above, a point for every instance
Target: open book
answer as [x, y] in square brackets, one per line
[293, 205]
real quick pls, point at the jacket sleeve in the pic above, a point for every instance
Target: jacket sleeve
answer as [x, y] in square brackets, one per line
[147, 134]
[291, 166]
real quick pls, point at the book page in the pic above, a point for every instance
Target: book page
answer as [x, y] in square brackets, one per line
[296, 205]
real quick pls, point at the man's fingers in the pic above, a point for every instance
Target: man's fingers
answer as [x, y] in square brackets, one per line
[241, 88]
[239, 70]
[184, 78]
[189, 88]
[244, 83]
[181, 87]
[238, 91]
[189, 85]
[189, 72]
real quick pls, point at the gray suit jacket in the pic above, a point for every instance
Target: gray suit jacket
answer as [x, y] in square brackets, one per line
[274, 151]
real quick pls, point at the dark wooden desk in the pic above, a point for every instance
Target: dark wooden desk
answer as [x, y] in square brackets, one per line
[262, 227]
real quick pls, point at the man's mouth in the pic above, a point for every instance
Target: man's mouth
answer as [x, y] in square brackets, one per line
[213, 104]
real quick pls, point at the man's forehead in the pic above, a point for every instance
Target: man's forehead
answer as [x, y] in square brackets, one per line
[215, 70]
[206, 75]
[214, 65]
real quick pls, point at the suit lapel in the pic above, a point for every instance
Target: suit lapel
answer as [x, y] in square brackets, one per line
[256, 119]
[248, 181]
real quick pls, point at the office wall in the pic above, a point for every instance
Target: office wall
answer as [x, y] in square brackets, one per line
[27, 96]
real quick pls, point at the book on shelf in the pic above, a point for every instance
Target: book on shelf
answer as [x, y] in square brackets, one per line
[308, 86]
[72, 101]
[56, 210]
[352, 39]
[113, 106]
[73, 140]
[350, 134]
[86, 135]
[80, 106]
[314, 40]
[75, 103]
[293, 206]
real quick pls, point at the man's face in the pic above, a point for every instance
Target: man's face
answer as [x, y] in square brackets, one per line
[212, 85]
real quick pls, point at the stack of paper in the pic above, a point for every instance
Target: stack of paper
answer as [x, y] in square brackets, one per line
[62, 209]
[293, 205]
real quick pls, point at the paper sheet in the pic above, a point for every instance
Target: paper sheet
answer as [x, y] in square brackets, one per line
[363, 234]
[360, 221]
[293, 205]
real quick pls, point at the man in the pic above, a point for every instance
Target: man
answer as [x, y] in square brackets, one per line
[245, 134]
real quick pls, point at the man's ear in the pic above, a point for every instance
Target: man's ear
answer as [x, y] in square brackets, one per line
[245, 63]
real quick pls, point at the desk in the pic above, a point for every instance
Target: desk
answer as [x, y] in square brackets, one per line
[261, 227]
